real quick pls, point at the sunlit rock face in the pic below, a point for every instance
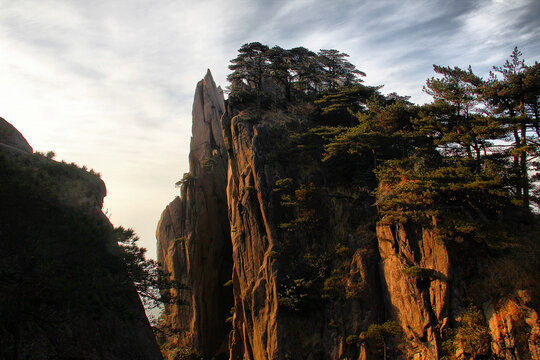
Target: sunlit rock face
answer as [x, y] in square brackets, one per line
[193, 235]
[255, 323]
[282, 309]
[65, 292]
[427, 309]
[420, 306]
[311, 270]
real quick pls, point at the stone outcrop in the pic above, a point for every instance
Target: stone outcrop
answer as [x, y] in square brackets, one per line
[11, 138]
[65, 292]
[194, 237]
[418, 304]
[249, 185]
[515, 327]
[426, 306]
[311, 270]
[279, 276]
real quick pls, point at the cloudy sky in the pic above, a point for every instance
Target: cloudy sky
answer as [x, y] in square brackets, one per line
[110, 83]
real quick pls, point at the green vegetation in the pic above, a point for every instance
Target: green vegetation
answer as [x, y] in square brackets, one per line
[333, 323]
[352, 339]
[208, 163]
[471, 336]
[296, 75]
[282, 184]
[451, 157]
[60, 264]
[154, 287]
[418, 272]
[332, 286]
[294, 293]
[187, 179]
[303, 201]
[380, 336]
[232, 311]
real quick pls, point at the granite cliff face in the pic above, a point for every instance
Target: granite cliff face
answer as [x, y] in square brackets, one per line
[427, 305]
[64, 290]
[255, 322]
[280, 274]
[314, 276]
[419, 305]
[193, 235]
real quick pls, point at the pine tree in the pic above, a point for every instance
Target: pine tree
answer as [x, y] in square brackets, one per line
[512, 100]
[306, 71]
[455, 118]
[337, 70]
[250, 67]
[280, 63]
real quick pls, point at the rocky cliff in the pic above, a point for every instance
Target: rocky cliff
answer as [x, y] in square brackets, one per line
[314, 274]
[64, 290]
[194, 235]
[305, 274]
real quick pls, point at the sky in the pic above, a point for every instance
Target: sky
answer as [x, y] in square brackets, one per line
[110, 83]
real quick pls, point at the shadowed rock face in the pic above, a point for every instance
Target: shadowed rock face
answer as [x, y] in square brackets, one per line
[229, 220]
[65, 292]
[193, 234]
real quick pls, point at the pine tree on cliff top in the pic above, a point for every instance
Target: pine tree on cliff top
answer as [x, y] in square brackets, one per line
[306, 72]
[513, 100]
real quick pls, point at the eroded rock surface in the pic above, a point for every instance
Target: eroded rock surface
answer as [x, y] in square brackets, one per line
[418, 304]
[193, 235]
[281, 310]
[255, 327]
